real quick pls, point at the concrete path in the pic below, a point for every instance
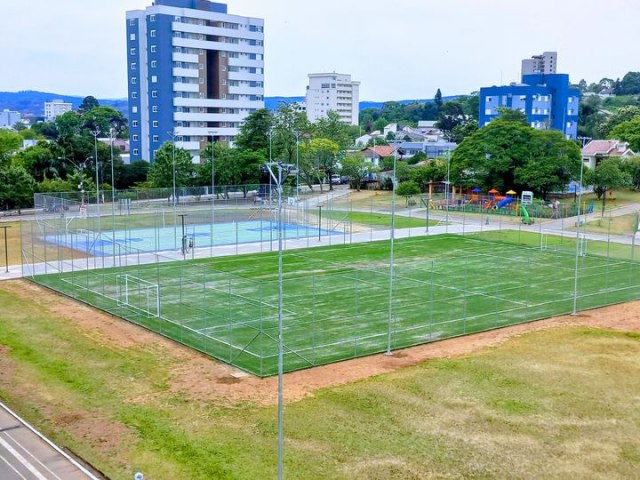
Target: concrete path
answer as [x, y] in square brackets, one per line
[27, 455]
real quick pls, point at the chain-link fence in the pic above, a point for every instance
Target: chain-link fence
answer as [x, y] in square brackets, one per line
[174, 266]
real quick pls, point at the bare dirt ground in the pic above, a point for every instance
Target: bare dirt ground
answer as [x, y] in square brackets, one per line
[198, 376]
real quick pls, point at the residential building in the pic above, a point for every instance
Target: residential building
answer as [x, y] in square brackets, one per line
[55, 108]
[548, 101]
[195, 73]
[333, 92]
[437, 149]
[545, 63]
[597, 150]
[9, 118]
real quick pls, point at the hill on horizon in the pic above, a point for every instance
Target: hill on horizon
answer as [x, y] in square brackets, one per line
[31, 102]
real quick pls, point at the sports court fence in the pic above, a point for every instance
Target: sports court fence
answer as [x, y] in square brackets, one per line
[133, 259]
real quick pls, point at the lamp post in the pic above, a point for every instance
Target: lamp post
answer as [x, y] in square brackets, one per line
[95, 134]
[6, 250]
[297, 163]
[173, 163]
[446, 193]
[575, 273]
[392, 236]
[278, 179]
[112, 133]
[213, 182]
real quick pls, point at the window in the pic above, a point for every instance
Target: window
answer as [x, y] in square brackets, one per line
[487, 100]
[134, 109]
[156, 138]
[133, 65]
[132, 51]
[134, 94]
[152, 33]
[487, 111]
[135, 138]
[224, 82]
[154, 94]
[570, 99]
[154, 63]
[154, 124]
[154, 48]
[154, 109]
[132, 22]
[132, 37]
[223, 54]
[135, 151]
[223, 68]
[134, 123]
[202, 81]
[154, 79]
[201, 66]
[152, 18]
[134, 80]
[569, 124]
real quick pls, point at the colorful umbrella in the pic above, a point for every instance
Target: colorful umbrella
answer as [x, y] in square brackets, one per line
[493, 191]
[511, 192]
[476, 190]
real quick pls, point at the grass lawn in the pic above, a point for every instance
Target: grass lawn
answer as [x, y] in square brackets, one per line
[336, 299]
[13, 243]
[621, 225]
[377, 219]
[558, 403]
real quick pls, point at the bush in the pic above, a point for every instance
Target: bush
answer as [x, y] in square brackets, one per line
[406, 189]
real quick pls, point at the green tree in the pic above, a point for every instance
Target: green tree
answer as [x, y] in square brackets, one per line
[433, 171]
[104, 118]
[408, 188]
[629, 85]
[628, 131]
[254, 132]
[16, 187]
[46, 129]
[161, 171]
[607, 175]
[437, 100]
[87, 104]
[232, 166]
[133, 174]
[333, 129]
[9, 143]
[286, 122]
[463, 130]
[624, 114]
[68, 124]
[631, 166]
[356, 168]
[553, 162]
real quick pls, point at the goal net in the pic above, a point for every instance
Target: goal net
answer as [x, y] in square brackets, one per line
[549, 241]
[138, 294]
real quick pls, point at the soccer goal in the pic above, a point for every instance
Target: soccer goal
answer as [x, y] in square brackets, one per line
[581, 239]
[138, 294]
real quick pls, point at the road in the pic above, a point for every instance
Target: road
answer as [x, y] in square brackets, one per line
[26, 455]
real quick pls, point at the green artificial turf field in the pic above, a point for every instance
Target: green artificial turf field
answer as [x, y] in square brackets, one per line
[336, 299]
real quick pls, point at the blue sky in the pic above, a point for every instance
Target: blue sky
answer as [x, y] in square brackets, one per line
[402, 49]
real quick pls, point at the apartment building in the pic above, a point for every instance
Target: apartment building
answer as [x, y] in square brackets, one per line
[548, 101]
[333, 91]
[55, 108]
[194, 73]
[545, 63]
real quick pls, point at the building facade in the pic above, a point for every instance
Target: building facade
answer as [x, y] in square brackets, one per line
[55, 108]
[333, 91]
[545, 63]
[8, 118]
[194, 73]
[548, 101]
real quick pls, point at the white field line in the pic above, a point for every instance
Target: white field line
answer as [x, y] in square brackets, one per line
[22, 460]
[29, 454]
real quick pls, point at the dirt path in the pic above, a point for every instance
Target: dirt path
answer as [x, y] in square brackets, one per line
[202, 378]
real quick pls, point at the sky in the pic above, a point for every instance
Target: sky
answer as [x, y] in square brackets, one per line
[403, 49]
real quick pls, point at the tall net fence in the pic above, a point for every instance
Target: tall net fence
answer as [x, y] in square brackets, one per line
[135, 259]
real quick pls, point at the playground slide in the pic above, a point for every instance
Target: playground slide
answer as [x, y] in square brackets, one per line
[505, 202]
[488, 204]
[526, 219]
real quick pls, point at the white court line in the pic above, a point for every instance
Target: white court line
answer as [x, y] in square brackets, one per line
[28, 453]
[12, 467]
[22, 460]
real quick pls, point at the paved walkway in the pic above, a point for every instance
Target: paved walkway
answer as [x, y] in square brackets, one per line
[27, 455]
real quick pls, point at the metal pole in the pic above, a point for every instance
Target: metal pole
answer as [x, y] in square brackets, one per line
[297, 165]
[173, 163]
[6, 250]
[280, 340]
[113, 198]
[446, 197]
[319, 222]
[213, 184]
[392, 235]
[184, 250]
[575, 273]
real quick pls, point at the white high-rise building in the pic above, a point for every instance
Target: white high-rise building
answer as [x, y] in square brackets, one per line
[195, 73]
[545, 63]
[333, 91]
[55, 108]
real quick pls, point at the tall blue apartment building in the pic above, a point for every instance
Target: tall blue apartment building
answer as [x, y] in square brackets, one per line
[194, 73]
[548, 101]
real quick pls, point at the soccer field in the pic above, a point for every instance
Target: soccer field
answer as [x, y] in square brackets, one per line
[336, 299]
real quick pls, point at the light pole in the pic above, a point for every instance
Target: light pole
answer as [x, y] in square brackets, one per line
[575, 273]
[6, 250]
[173, 162]
[392, 236]
[297, 163]
[446, 193]
[287, 168]
[213, 183]
[95, 134]
[112, 133]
